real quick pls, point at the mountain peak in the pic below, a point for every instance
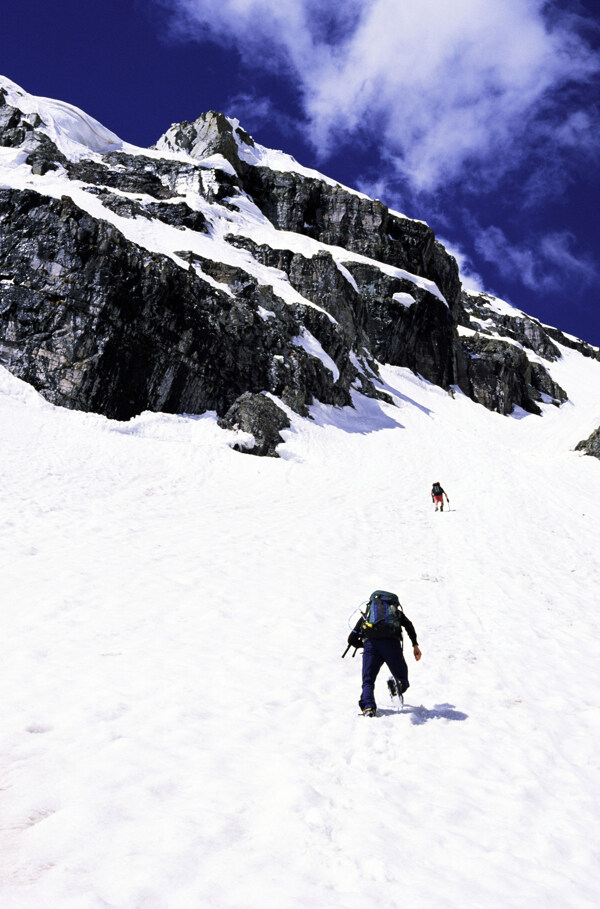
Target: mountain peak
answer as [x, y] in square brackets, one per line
[210, 134]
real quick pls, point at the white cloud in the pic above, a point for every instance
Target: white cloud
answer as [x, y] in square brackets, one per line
[449, 87]
[544, 266]
[469, 277]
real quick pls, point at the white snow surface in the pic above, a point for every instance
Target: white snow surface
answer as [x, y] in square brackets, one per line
[404, 299]
[73, 131]
[179, 730]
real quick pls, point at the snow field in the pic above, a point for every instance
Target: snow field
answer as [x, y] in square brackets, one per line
[178, 727]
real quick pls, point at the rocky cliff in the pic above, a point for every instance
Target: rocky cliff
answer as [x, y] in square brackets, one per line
[210, 273]
[591, 445]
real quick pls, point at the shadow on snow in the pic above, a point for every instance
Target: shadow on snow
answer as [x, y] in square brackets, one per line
[420, 715]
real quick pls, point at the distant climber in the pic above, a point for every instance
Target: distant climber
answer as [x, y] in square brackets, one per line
[437, 496]
[379, 632]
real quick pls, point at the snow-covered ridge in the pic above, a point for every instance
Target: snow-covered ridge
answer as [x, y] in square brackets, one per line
[246, 149]
[78, 136]
[496, 305]
[277, 160]
[74, 132]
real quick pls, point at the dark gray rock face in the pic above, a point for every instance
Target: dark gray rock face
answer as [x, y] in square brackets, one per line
[332, 215]
[497, 373]
[210, 134]
[417, 334]
[319, 280]
[17, 129]
[574, 343]
[21, 130]
[97, 322]
[501, 377]
[259, 416]
[591, 445]
[421, 337]
[524, 330]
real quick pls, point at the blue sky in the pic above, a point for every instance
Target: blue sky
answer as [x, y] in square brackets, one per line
[481, 117]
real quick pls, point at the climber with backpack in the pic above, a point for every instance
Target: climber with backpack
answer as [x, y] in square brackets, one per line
[437, 496]
[379, 632]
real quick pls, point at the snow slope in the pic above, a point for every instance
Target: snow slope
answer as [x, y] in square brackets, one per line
[179, 730]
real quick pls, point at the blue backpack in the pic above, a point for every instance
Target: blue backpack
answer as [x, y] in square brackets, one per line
[382, 616]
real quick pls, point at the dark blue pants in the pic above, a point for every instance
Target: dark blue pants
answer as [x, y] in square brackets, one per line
[375, 654]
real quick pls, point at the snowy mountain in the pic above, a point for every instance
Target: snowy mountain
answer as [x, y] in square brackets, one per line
[179, 730]
[209, 271]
